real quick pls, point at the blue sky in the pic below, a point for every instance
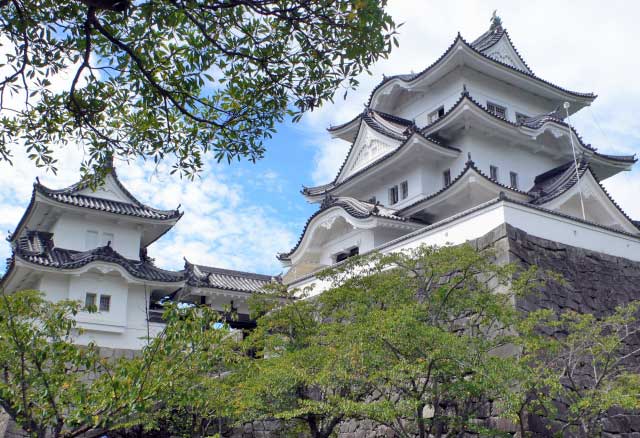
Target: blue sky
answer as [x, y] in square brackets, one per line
[238, 216]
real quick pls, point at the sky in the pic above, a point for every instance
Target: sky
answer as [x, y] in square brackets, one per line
[239, 216]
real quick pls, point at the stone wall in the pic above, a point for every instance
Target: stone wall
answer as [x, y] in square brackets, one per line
[595, 283]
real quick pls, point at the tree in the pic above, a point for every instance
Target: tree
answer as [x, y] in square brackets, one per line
[587, 363]
[416, 341]
[176, 78]
[436, 326]
[182, 382]
[200, 362]
[302, 373]
[55, 388]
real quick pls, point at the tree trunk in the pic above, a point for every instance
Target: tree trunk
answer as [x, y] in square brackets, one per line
[420, 418]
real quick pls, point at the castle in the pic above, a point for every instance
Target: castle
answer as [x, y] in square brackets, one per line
[472, 143]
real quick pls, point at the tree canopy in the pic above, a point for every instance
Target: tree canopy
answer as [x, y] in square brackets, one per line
[175, 78]
[422, 343]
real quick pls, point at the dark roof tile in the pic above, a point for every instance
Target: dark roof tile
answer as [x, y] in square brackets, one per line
[37, 247]
[226, 279]
[354, 207]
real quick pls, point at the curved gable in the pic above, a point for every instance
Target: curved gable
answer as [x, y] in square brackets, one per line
[599, 207]
[504, 51]
[368, 146]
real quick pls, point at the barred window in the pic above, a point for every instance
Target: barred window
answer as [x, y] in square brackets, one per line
[105, 303]
[514, 179]
[493, 172]
[497, 110]
[90, 300]
[393, 195]
[435, 115]
[404, 189]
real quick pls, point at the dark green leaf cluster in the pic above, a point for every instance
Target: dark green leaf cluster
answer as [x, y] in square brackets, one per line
[176, 78]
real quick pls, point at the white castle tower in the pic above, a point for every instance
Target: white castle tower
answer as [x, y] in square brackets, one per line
[91, 246]
[473, 141]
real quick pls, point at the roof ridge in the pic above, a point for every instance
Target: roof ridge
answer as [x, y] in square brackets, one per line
[233, 272]
[531, 75]
[333, 184]
[50, 191]
[469, 165]
[344, 202]
[466, 95]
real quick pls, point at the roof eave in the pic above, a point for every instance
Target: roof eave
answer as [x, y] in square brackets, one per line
[460, 44]
[415, 138]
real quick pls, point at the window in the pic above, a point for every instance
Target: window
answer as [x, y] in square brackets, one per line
[520, 118]
[497, 110]
[105, 303]
[446, 177]
[372, 200]
[90, 300]
[404, 189]
[91, 239]
[435, 115]
[106, 238]
[493, 172]
[514, 179]
[346, 254]
[393, 195]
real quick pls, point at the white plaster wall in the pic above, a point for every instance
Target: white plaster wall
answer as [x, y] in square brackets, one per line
[363, 239]
[129, 339]
[385, 235]
[380, 187]
[535, 222]
[55, 286]
[365, 137]
[425, 177]
[444, 92]
[115, 320]
[486, 151]
[572, 232]
[459, 231]
[109, 190]
[447, 91]
[70, 232]
[124, 326]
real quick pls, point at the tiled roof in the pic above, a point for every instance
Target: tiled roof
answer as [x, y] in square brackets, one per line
[502, 197]
[67, 196]
[37, 247]
[535, 122]
[407, 134]
[226, 279]
[354, 207]
[469, 165]
[553, 183]
[70, 196]
[488, 39]
[412, 77]
[368, 115]
[491, 37]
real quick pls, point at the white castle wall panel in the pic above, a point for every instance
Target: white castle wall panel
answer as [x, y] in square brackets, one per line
[70, 232]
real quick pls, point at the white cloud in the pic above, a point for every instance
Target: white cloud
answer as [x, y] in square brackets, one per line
[220, 227]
